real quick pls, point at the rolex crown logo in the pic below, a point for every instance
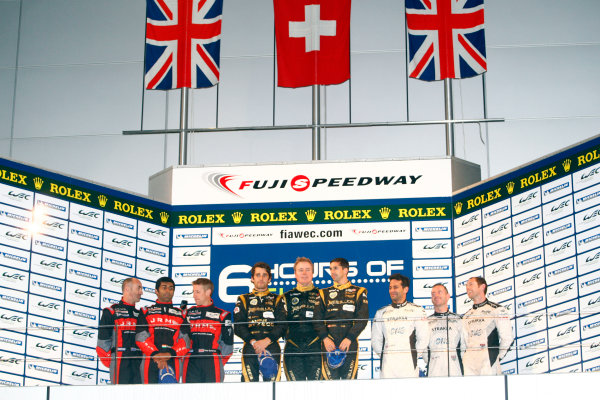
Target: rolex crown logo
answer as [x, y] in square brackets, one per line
[102, 200]
[385, 212]
[458, 207]
[237, 217]
[38, 182]
[164, 217]
[510, 186]
[310, 215]
[567, 164]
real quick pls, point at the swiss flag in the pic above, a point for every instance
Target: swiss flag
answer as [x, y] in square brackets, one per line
[313, 42]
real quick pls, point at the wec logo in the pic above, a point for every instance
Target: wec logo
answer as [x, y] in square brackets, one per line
[197, 253]
[85, 293]
[51, 264]
[530, 196]
[156, 232]
[21, 196]
[88, 253]
[15, 276]
[436, 246]
[51, 306]
[530, 237]
[89, 214]
[473, 218]
[563, 204]
[83, 333]
[11, 318]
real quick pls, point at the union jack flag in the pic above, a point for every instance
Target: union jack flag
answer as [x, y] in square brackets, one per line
[183, 43]
[445, 39]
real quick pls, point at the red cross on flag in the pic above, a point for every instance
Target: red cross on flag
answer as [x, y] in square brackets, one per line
[313, 42]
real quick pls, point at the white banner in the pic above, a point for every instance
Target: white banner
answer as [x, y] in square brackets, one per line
[305, 182]
[350, 232]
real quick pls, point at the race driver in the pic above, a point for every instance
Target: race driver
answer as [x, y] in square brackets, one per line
[254, 323]
[400, 332]
[302, 353]
[159, 334]
[487, 330]
[445, 336]
[211, 336]
[340, 317]
[116, 346]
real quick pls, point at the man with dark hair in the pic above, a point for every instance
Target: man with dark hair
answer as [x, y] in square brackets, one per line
[254, 323]
[211, 336]
[488, 332]
[295, 309]
[445, 329]
[116, 336]
[400, 332]
[340, 317]
[159, 334]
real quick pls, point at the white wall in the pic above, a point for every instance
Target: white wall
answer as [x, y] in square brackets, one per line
[71, 82]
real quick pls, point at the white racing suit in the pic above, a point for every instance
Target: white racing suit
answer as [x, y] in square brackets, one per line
[488, 337]
[445, 343]
[400, 335]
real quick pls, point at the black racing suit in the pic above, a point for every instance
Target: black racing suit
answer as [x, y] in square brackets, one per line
[302, 353]
[159, 330]
[211, 334]
[343, 313]
[254, 319]
[116, 346]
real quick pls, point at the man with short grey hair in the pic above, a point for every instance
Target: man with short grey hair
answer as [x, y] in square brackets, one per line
[445, 332]
[116, 346]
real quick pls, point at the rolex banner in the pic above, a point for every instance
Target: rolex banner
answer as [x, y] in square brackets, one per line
[66, 245]
[534, 234]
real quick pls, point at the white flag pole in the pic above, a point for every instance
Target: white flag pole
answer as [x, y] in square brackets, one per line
[183, 126]
[449, 112]
[316, 122]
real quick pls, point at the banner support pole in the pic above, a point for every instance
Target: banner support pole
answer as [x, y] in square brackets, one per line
[316, 122]
[449, 112]
[183, 127]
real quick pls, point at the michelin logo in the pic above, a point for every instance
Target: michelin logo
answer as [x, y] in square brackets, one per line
[81, 314]
[556, 188]
[432, 267]
[49, 245]
[587, 197]
[531, 301]
[495, 212]
[48, 286]
[120, 224]
[191, 236]
[190, 274]
[529, 260]
[153, 252]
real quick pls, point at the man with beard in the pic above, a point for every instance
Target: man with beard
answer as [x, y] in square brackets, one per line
[159, 334]
[400, 332]
[340, 317]
[254, 323]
